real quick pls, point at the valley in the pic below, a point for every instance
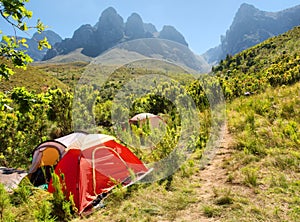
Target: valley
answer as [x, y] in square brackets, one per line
[228, 149]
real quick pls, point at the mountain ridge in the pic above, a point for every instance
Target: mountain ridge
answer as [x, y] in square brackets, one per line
[252, 26]
[109, 31]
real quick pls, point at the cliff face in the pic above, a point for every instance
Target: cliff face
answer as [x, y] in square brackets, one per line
[170, 33]
[251, 26]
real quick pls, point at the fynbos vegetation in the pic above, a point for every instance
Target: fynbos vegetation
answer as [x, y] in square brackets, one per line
[261, 87]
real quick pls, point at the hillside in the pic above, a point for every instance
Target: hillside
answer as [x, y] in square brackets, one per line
[153, 48]
[67, 73]
[273, 62]
[33, 79]
[254, 175]
[251, 26]
[74, 56]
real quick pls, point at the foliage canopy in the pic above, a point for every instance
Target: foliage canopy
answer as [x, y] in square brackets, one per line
[16, 14]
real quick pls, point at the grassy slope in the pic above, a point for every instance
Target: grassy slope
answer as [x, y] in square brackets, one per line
[263, 170]
[266, 159]
[273, 62]
[32, 79]
[68, 73]
[100, 70]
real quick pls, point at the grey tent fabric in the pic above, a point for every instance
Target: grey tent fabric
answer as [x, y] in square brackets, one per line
[155, 121]
[71, 138]
[11, 177]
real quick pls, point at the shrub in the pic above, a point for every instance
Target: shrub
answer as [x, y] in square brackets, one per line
[250, 176]
[44, 213]
[63, 209]
[22, 192]
[5, 213]
[210, 211]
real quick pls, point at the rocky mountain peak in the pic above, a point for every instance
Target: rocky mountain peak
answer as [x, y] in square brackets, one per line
[110, 20]
[83, 32]
[170, 33]
[135, 17]
[109, 31]
[246, 9]
[251, 26]
[149, 27]
[50, 35]
[110, 11]
[134, 27]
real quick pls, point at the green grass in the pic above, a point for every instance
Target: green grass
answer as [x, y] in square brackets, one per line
[263, 171]
[68, 73]
[267, 155]
[211, 211]
[33, 79]
[263, 185]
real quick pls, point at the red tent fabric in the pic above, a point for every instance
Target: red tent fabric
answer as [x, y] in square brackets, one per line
[93, 165]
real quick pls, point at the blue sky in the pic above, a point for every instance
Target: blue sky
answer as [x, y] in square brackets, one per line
[201, 22]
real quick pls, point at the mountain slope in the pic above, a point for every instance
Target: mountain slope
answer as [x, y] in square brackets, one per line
[74, 56]
[251, 26]
[165, 50]
[33, 79]
[273, 62]
[33, 50]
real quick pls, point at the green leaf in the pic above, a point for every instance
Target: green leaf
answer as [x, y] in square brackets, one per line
[40, 26]
[5, 39]
[14, 13]
[5, 71]
[29, 14]
[44, 44]
[6, 14]
[23, 40]
[24, 27]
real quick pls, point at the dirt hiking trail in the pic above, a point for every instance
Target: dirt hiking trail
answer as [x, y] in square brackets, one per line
[213, 176]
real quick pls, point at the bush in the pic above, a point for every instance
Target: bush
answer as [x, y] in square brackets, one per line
[44, 213]
[5, 213]
[63, 207]
[250, 176]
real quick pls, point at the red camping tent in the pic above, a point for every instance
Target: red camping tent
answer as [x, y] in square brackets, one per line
[93, 165]
[47, 154]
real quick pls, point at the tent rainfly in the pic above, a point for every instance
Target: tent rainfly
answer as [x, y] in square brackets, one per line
[47, 154]
[140, 119]
[93, 165]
